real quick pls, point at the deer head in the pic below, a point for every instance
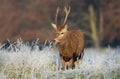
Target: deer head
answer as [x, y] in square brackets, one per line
[61, 31]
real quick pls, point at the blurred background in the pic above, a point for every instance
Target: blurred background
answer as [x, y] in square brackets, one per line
[31, 19]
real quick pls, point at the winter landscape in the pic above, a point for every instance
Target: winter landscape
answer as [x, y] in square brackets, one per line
[28, 29]
[41, 61]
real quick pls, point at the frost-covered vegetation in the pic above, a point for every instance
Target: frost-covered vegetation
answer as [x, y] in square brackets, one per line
[40, 61]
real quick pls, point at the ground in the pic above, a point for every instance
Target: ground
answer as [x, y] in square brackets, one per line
[22, 61]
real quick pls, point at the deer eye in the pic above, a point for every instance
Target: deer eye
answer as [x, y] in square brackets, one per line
[62, 33]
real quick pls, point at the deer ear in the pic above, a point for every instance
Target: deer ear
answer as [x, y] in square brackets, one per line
[54, 26]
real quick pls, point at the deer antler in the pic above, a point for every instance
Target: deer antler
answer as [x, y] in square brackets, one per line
[56, 16]
[67, 11]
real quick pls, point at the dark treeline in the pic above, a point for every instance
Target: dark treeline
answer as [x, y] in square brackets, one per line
[31, 19]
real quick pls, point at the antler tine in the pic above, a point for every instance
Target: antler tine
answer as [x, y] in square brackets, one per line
[56, 16]
[67, 11]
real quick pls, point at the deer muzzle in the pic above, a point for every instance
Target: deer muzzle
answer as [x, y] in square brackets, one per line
[56, 42]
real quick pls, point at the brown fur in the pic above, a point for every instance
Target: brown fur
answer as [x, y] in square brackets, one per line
[70, 45]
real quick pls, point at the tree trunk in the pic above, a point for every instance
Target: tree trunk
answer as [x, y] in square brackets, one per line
[93, 27]
[101, 30]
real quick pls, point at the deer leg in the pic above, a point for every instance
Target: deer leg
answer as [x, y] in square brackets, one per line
[70, 64]
[63, 64]
[78, 62]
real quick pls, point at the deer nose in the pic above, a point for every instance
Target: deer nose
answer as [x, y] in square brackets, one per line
[53, 40]
[56, 42]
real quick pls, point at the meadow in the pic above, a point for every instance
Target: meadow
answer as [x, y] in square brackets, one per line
[41, 61]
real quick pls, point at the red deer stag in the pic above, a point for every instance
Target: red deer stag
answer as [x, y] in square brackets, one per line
[70, 44]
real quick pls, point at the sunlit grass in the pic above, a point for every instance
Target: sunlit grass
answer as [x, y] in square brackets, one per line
[22, 61]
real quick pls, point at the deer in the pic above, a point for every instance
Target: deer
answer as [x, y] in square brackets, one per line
[70, 43]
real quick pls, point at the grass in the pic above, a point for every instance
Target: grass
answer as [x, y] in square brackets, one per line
[25, 62]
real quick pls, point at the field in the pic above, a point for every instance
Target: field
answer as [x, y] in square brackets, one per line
[41, 61]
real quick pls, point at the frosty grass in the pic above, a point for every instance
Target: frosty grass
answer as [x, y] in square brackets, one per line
[22, 61]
